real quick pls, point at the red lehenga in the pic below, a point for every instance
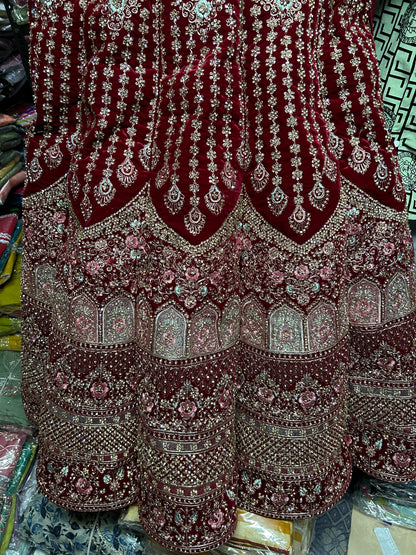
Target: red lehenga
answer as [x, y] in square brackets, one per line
[218, 290]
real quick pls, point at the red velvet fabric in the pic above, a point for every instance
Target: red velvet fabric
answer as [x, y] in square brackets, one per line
[219, 293]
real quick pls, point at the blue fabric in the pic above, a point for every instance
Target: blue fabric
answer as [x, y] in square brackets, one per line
[332, 529]
[61, 532]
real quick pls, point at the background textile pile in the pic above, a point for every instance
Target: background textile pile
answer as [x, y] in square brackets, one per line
[395, 38]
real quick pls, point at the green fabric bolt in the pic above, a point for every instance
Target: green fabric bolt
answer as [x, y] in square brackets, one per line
[11, 407]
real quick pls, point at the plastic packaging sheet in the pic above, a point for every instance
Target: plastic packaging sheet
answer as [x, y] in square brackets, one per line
[257, 535]
[24, 496]
[16, 457]
[391, 503]
[20, 11]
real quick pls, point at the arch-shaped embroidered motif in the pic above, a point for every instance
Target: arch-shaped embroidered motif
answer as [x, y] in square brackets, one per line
[170, 334]
[322, 327]
[44, 282]
[253, 323]
[84, 319]
[118, 321]
[398, 301]
[230, 322]
[364, 303]
[286, 331]
[204, 331]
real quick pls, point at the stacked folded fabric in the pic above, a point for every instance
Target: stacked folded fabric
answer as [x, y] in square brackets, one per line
[17, 452]
[10, 270]
[12, 177]
[26, 116]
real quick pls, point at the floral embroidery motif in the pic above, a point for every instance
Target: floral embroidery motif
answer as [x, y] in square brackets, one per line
[285, 10]
[200, 13]
[322, 327]
[45, 279]
[84, 319]
[204, 332]
[398, 301]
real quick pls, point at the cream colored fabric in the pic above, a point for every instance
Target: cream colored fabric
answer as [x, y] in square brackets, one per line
[363, 540]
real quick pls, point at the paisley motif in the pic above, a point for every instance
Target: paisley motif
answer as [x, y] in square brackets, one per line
[200, 13]
[284, 10]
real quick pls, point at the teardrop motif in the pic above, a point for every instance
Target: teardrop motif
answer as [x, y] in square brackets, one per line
[360, 160]
[382, 176]
[299, 220]
[229, 175]
[149, 156]
[277, 201]
[104, 192]
[127, 173]
[319, 196]
[260, 177]
[35, 169]
[162, 176]
[244, 155]
[195, 221]
[54, 156]
[174, 199]
[214, 200]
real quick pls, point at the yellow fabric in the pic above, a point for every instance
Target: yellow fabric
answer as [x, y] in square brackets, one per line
[11, 343]
[8, 167]
[10, 292]
[132, 515]
[10, 326]
[8, 268]
[261, 532]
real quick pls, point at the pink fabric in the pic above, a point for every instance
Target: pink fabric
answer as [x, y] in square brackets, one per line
[11, 444]
[7, 225]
